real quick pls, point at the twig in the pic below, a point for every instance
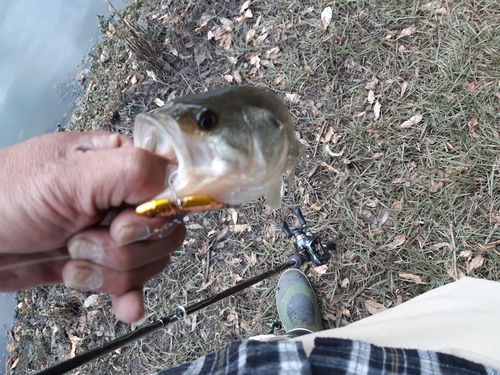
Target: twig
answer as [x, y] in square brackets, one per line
[320, 135]
[207, 270]
[488, 239]
[454, 249]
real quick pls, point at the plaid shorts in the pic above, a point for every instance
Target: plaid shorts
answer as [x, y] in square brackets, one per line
[329, 356]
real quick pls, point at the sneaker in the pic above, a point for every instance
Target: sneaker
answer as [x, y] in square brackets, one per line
[297, 304]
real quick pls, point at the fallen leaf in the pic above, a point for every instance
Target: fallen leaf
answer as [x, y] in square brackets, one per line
[253, 259]
[292, 97]
[75, 344]
[414, 120]
[451, 271]
[331, 153]
[229, 78]
[476, 262]
[377, 156]
[235, 276]
[345, 311]
[495, 217]
[278, 79]
[432, 5]
[407, 32]
[245, 6]
[435, 186]
[330, 168]
[404, 85]
[439, 245]
[238, 228]
[490, 245]
[206, 284]
[326, 18]
[398, 241]
[465, 254]
[159, 102]
[472, 127]
[376, 110]
[371, 203]
[250, 35]
[374, 307]
[90, 300]
[272, 54]
[345, 283]
[245, 16]
[448, 146]
[408, 276]
[371, 96]
[225, 41]
[320, 270]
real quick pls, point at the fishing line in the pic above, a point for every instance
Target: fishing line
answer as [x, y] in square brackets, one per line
[308, 247]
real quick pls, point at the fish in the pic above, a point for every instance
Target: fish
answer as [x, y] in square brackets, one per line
[232, 144]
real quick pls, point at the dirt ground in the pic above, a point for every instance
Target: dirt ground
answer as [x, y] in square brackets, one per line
[398, 106]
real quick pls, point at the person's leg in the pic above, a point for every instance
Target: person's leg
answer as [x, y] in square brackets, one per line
[461, 318]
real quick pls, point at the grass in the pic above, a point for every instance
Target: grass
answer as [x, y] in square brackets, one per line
[435, 182]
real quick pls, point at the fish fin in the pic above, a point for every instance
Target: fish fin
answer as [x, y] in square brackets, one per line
[275, 195]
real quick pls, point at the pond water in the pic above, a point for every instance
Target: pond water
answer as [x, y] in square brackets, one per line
[42, 46]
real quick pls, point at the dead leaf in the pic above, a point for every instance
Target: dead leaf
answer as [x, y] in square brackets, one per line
[376, 110]
[331, 153]
[451, 271]
[435, 186]
[272, 54]
[472, 127]
[439, 245]
[235, 276]
[90, 300]
[398, 241]
[245, 6]
[465, 254]
[225, 41]
[495, 217]
[206, 284]
[292, 97]
[229, 78]
[377, 156]
[245, 16]
[251, 34]
[407, 32]
[432, 5]
[448, 146]
[374, 307]
[404, 85]
[345, 311]
[476, 262]
[238, 228]
[75, 344]
[326, 18]
[330, 168]
[320, 270]
[371, 96]
[159, 102]
[253, 259]
[372, 203]
[414, 120]
[408, 276]
[345, 283]
[490, 245]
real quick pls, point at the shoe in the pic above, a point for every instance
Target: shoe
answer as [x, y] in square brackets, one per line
[298, 307]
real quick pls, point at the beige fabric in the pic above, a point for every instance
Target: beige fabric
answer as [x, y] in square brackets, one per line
[461, 318]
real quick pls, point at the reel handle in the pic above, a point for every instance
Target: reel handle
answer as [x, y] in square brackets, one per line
[298, 213]
[285, 228]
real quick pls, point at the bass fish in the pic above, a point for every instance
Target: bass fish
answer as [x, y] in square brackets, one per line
[231, 144]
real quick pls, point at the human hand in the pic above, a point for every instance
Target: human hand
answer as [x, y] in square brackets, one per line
[56, 189]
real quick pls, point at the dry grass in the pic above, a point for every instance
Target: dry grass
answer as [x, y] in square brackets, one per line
[435, 184]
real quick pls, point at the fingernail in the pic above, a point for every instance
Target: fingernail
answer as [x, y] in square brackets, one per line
[83, 248]
[84, 277]
[131, 233]
[141, 320]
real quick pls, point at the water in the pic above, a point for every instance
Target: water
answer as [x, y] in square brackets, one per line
[41, 45]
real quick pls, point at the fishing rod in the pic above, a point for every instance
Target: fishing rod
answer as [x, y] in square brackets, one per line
[308, 248]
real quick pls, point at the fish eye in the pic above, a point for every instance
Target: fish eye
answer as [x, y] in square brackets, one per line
[206, 119]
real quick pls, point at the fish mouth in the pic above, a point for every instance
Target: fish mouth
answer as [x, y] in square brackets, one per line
[163, 136]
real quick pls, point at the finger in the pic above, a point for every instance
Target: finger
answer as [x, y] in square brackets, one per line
[129, 227]
[23, 271]
[94, 141]
[97, 246]
[109, 178]
[89, 276]
[129, 307]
